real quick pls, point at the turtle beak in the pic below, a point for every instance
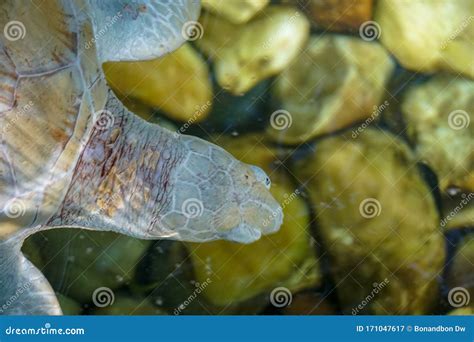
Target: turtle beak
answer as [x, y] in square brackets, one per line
[243, 233]
[249, 231]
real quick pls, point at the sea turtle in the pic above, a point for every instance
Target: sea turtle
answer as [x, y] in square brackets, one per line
[71, 155]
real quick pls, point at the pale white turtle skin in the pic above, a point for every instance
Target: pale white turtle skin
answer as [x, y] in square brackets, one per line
[71, 155]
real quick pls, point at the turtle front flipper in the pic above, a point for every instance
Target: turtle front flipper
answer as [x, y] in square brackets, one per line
[25, 291]
[130, 30]
[142, 180]
[72, 156]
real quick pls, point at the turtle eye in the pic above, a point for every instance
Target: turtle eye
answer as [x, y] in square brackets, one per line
[261, 176]
[268, 182]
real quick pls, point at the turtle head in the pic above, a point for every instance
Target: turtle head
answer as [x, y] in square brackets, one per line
[218, 197]
[259, 212]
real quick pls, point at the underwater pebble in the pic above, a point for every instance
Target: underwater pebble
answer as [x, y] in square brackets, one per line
[236, 11]
[429, 36]
[255, 51]
[75, 273]
[177, 84]
[339, 15]
[234, 114]
[165, 275]
[378, 244]
[218, 34]
[439, 115]
[286, 258]
[458, 211]
[336, 82]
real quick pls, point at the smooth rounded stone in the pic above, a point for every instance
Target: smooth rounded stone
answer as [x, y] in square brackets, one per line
[368, 196]
[236, 11]
[165, 275]
[231, 113]
[77, 262]
[246, 54]
[218, 34]
[177, 84]
[460, 278]
[336, 82]
[284, 259]
[392, 117]
[429, 36]
[440, 122]
[339, 15]
[69, 306]
[126, 304]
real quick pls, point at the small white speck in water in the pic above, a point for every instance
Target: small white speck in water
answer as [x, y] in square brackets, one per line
[453, 191]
